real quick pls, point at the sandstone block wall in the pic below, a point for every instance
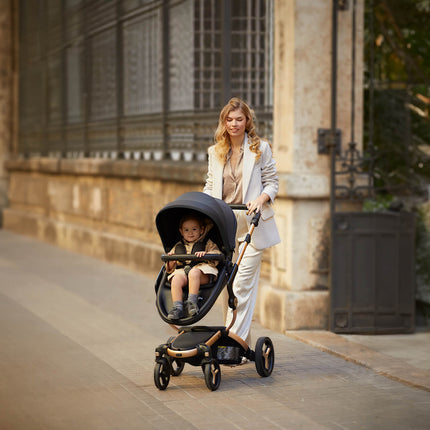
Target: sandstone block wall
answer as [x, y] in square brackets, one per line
[100, 208]
[8, 91]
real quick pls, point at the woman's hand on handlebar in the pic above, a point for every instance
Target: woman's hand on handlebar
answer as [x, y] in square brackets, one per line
[257, 204]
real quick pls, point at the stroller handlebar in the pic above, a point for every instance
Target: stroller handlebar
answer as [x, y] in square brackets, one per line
[190, 257]
[238, 207]
[255, 218]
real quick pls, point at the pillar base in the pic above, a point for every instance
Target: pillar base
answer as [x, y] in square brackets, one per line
[282, 310]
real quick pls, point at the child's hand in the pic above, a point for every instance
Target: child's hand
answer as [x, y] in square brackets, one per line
[170, 265]
[200, 253]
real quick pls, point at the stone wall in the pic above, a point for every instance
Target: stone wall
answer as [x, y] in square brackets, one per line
[8, 54]
[102, 208]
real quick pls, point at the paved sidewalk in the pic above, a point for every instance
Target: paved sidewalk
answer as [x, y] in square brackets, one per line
[77, 352]
[403, 358]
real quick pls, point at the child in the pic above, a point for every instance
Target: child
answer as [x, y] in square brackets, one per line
[194, 273]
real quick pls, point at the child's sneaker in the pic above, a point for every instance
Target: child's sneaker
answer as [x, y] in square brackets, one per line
[175, 313]
[192, 308]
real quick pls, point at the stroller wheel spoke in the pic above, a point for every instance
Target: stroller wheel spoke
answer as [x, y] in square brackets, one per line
[214, 376]
[266, 355]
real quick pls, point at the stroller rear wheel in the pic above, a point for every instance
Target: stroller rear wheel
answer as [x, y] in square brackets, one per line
[176, 367]
[264, 356]
[212, 373]
[162, 373]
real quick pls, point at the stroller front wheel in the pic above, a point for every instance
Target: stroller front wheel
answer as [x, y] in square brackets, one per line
[162, 373]
[212, 373]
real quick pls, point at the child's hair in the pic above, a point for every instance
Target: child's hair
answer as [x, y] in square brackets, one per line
[194, 217]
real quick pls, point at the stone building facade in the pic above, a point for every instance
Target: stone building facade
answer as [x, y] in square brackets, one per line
[106, 207]
[8, 95]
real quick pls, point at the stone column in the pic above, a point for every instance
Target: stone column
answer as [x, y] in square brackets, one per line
[7, 93]
[298, 296]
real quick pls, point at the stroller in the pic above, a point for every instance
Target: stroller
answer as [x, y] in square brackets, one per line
[204, 346]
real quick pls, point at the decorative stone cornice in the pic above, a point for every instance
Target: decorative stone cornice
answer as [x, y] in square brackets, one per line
[164, 170]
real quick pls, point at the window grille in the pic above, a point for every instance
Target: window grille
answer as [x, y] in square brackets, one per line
[207, 54]
[139, 78]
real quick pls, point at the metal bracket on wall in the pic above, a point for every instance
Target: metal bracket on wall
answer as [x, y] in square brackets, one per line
[326, 140]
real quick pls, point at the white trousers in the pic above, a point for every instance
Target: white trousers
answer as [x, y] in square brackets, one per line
[245, 285]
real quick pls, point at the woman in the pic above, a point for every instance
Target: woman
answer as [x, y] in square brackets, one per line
[241, 170]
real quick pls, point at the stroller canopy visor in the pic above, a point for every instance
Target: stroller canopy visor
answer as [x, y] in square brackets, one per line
[223, 231]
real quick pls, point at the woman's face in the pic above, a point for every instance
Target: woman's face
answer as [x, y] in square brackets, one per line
[235, 123]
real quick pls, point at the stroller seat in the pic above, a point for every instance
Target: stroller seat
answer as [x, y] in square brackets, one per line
[210, 284]
[222, 233]
[208, 295]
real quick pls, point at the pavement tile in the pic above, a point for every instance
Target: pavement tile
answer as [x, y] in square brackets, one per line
[77, 351]
[390, 367]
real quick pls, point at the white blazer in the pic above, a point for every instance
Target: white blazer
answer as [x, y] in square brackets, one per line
[257, 177]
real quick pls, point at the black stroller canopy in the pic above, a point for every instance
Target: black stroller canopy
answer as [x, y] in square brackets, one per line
[220, 213]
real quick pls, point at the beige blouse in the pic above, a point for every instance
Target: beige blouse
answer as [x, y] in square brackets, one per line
[232, 180]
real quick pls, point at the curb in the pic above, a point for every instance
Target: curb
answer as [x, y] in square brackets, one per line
[385, 365]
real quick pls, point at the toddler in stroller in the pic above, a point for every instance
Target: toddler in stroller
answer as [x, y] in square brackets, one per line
[195, 241]
[203, 346]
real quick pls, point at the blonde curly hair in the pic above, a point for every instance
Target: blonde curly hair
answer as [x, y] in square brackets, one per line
[222, 138]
